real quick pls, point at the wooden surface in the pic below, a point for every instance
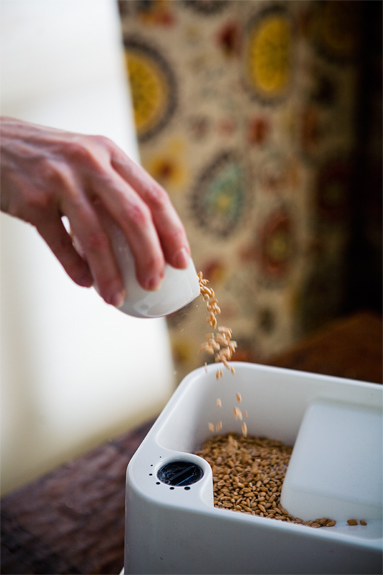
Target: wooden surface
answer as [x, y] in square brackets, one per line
[72, 520]
[350, 347]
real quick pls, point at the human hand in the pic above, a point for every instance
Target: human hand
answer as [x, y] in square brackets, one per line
[47, 174]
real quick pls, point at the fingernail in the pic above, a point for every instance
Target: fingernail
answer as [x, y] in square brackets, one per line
[154, 283]
[117, 299]
[181, 259]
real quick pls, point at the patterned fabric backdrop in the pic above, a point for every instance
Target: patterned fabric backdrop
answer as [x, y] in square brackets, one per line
[245, 114]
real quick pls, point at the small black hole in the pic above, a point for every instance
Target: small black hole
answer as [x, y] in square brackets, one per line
[157, 483]
[172, 488]
[180, 473]
[186, 488]
[150, 473]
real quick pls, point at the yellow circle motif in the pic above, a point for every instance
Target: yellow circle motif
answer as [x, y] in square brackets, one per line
[149, 89]
[269, 56]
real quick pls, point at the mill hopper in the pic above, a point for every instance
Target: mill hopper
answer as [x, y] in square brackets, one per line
[335, 426]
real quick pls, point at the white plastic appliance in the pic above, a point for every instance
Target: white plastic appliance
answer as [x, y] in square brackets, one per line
[335, 470]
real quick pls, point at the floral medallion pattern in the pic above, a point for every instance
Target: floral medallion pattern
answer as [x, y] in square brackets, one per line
[153, 87]
[219, 198]
[268, 58]
[245, 113]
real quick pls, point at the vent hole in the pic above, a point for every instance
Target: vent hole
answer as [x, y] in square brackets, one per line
[180, 473]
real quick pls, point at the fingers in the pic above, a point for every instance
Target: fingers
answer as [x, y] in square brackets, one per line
[168, 225]
[134, 217]
[110, 195]
[96, 247]
[54, 233]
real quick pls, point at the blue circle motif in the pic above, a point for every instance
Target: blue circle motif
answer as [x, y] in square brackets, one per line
[219, 196]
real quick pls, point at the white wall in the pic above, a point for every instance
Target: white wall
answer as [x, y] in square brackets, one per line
[74, 371]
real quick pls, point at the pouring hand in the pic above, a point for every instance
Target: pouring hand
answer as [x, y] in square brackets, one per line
[47, 174]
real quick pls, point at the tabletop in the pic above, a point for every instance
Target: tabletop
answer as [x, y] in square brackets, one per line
[72, 519]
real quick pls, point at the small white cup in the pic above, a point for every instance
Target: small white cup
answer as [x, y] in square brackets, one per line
[178, 287]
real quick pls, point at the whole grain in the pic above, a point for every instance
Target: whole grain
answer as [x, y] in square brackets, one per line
[260, 491]
[248, 474]
[218, 343]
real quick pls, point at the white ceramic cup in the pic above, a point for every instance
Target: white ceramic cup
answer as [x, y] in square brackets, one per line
[178, 288]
